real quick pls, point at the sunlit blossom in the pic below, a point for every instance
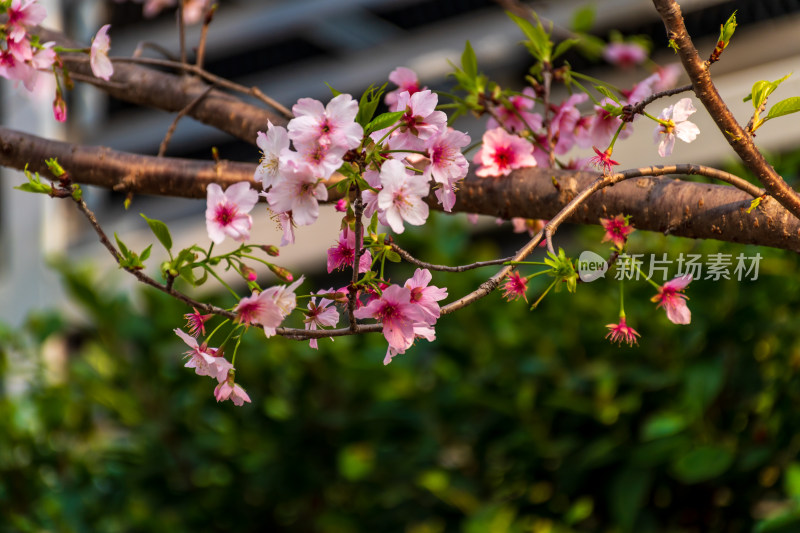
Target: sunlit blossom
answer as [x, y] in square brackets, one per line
[670, 297]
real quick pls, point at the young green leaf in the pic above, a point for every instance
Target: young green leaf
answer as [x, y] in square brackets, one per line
[784, 107]
[160, 230]
[605, 91]
[539, 43]
[383, 120]
[762, 89]
[469, 62]
[583, 19]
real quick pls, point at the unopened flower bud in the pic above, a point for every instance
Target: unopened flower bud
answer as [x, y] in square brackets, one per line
[271, 249]
[341, 205]
[249, 274]
[60, 108]
[281, 272]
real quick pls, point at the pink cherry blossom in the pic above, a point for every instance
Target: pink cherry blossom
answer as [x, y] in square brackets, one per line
[604, 124]
[226, 212]
[322, 159]
[602, 161]
[625, 55]
[502, 152]
[299, 192]
[419, 123]
[98, 55]
[259, 308]
[287, 226]
[20, 15]
[320, 314]
[400, 198]
[425, 296]
[341, 256]
[617, 230]
[398, 315]
[674, 303]
[565, 122]
[420, 332]
[204, 359]
[622, 332]
[283, 295]
[515, 287]
[228, 390]
[331, 125]
[518, 117]
[678, 125]
[448, 164]
[273, 145]
[406, 80]
[196, 322]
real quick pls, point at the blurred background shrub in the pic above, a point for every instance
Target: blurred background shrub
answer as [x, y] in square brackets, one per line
[513, 420]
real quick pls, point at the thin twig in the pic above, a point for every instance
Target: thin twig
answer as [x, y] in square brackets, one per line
[741, 142]
[182, 32]
[600, 183]
[201, 45]
[155, 46]
[639, 107]
[183, 112]
[444, 268]
[222, 82]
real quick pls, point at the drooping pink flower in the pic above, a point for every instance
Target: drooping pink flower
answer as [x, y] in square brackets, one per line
[420, 332]
[229, 390]
[406, 80]
[204, 359]
[518, 117]
[448, 164]
[625, 55]
[299, 192]
[283, 295]
[259, 308]
[98, 55]
[398, 315]
[515, 287]
[401, 197]
[196, 322]
[678, 125]
[668, 76]
[333, 124]
[20, 15]
[502, 152]
[425, 296]
[287, 225]
[622, 332]
[670, 297]
[342, 255]
[226, 212]
[602, 161]
[617, 230]
[320, 314]
[273, 145]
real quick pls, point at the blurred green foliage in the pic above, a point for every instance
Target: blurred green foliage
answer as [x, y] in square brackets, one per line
[511, 421]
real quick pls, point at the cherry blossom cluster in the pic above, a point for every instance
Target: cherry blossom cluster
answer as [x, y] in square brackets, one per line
[23, 58]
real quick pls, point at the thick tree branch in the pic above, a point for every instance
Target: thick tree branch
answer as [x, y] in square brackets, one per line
[170, 92]
[707, 93]
[695, 210]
